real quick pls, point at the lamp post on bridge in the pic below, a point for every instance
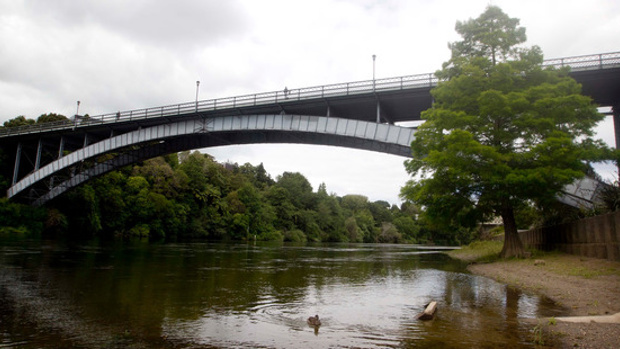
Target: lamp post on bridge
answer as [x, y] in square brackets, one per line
[374, 58]
[197, 88]
[77, 115]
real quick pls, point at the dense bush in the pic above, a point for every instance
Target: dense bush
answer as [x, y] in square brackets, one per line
[190, 196]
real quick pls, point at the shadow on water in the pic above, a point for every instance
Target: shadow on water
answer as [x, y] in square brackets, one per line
[238, 295]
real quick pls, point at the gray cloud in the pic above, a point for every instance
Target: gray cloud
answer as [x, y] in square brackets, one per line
[171, 23]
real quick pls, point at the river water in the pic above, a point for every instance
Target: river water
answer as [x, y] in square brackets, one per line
[206, 295]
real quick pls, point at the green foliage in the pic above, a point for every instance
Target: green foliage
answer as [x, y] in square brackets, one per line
[611, 196]
[190, 196]
[197, 198]
[271, 236]
[354, 233]
[82, 209]
[299, 189]
[295, 235]
[367, 226]
[389, 234]
[140, 231]
[258, 176]
[56, 221]
[478, 251]
[354, 202]
[51, 117]
[408, 227]
[538, 334]
[18, 218]
[19, 121]
[279, 199]
[502, 132]
[163, 198]
[380, 211]
[493, 34]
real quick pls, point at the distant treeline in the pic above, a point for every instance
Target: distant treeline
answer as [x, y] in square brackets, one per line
[190, 196]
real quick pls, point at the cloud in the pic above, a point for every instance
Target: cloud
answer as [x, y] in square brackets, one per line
[110, 54]
[176, 24]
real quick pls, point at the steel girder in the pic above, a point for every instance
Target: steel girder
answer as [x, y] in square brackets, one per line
[95, 159]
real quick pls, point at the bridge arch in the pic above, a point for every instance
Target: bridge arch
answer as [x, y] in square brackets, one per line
[114, 152]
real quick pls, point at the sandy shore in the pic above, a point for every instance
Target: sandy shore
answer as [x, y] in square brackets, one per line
[585, 286]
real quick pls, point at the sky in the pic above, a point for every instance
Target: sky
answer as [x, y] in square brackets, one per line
[121, 55]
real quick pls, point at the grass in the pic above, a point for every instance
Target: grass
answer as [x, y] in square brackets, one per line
[590, 273]
[478, 252]
[554, 261]
[571, 265]
[538, 334]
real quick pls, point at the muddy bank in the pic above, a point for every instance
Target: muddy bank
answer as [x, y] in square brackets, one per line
[584, 286]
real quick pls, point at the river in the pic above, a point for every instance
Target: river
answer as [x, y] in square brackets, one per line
[215, 295]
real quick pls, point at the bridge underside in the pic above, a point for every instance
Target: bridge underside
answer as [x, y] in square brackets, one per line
[59, 175]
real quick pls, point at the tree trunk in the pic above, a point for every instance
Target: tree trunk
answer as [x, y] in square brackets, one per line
[513, 247]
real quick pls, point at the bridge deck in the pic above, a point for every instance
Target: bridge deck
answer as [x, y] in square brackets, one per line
[401, 99]
[51, 157]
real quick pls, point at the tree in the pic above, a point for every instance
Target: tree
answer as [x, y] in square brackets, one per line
[279, 200]
[51, 117]
[502, 132]
[407, 227]
[19, 121]
[332, 218]
[493, 35]
[380, 211]
[354, 202]
[298, 187]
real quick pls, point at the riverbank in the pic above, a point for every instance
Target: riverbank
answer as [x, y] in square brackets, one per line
[584, 286]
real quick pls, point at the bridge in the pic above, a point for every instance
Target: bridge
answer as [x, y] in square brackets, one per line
[51, 158]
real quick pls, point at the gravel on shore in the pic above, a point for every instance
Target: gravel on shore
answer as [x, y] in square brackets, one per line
[585, 286]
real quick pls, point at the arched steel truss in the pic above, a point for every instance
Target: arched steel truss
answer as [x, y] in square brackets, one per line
[111, 153]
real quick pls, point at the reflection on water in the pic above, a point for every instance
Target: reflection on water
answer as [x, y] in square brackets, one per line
[246, 296]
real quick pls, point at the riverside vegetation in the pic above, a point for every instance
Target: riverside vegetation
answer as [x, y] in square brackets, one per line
[190, 196]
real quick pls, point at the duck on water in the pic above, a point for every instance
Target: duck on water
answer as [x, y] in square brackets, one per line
[314, 321]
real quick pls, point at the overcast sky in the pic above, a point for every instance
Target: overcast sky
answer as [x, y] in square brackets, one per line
[120, 55]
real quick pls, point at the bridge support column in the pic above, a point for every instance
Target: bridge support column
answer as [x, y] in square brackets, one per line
[616, 114]
[37, 162]
[61, 147]
[18, 159]
[378, 113]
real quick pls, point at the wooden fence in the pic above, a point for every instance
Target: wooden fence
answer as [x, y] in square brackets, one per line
[596, 237]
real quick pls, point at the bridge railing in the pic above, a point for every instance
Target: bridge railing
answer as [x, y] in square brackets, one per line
[266, 98]
[587, 62]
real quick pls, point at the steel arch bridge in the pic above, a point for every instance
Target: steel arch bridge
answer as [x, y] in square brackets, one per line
[106, 155]
[52, 158]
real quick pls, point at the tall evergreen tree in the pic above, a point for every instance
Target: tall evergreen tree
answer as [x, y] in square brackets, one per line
[502, 131]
